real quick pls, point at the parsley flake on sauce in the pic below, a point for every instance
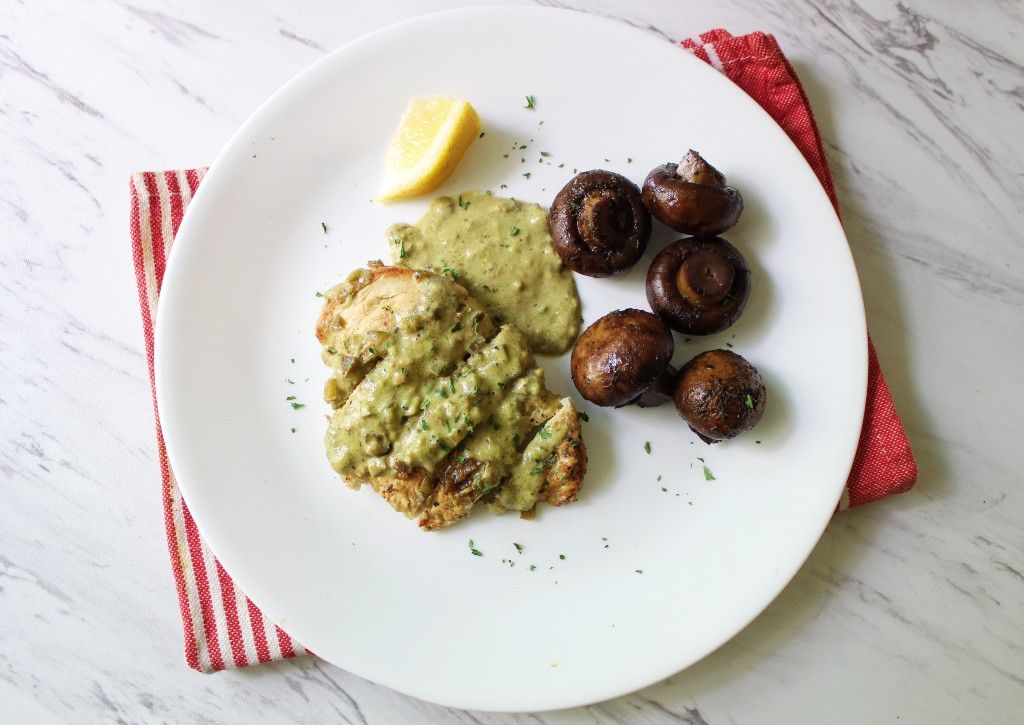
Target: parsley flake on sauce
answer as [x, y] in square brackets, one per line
[323, 225]
[513, 231]
[647, 447]
[473, 550]
[519, 547]
[531, 102]
[297, 406]
[749, 401]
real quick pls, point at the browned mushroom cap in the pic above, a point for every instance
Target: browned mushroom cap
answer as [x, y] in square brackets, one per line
[620, 356]
[692, 197]
[599, 225]
[698, 286]
[720, 395]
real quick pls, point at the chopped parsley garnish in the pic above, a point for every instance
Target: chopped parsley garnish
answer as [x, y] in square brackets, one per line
[297, 406]
[749, 401]
[526, 175]
[533, 567]
[449, 272]
[659, 477]
[462, 458]
[290, 397]
[544, 433]
[629, 160]
[401, 250]
[664, 489]
[319, 294]
[708, 476]
[531, 102]
[639, 571]
[647, 447]
[561, 556]
[504, 186]
[423, 424]
[473, 550]
[519, 547]
[292, 382]
[463, 204]
[545, 153]
[513, 231]
[323, 225]
[585, 417]
[293, 430]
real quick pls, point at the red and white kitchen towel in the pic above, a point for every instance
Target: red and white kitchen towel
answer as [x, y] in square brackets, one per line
[223, 628]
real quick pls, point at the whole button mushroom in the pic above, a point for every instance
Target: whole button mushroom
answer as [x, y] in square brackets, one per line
[599, 225]
[621, 356]
[698, 286]
[720, 395]
[691, 197]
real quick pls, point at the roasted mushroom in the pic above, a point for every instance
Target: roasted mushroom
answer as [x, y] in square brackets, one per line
[599, 225]
[692, 197]
[661, 391]
[698, 286]
[720, 395]
[620, 356]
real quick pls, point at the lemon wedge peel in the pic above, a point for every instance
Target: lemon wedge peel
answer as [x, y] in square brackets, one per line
[433, 135]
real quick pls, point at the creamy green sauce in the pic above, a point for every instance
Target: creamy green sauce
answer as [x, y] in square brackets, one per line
[500, 250]
[438, 377]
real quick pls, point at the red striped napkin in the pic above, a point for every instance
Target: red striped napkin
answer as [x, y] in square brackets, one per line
[222, 627]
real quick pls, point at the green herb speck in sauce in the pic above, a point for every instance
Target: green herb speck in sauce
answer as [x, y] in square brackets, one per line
[323, 225]
[519, 547]
[290, 397]
[319, 294]
[297, 406]
[463, 204]
[531, 102]
[544, 433]
[533, 567]
[561, 556]
[401, 250]
[585, 417]
[647, 447]
[749, 401]
[293, 430]
[545, 153]
[639, 571]
[659, 476]
[708, 476]
[473, 550]
[513, 231]
[629, 160]
[526, 175]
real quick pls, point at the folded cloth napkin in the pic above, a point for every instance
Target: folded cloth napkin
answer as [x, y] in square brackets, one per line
[223, 629]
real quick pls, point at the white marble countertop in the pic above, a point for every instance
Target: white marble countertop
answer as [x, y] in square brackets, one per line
[909, 610]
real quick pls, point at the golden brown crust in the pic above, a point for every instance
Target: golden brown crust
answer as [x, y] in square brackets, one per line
[565, 477]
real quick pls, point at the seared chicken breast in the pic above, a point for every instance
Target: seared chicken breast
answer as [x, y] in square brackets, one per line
[435, 406]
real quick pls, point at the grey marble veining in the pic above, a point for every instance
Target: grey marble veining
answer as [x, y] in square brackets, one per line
[911, 609]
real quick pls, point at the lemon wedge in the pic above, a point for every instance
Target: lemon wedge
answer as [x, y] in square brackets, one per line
[433, 135]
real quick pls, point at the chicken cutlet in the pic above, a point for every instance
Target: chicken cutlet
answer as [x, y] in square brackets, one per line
[435, 406]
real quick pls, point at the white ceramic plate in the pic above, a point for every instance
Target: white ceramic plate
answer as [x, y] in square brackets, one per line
[359, 584]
